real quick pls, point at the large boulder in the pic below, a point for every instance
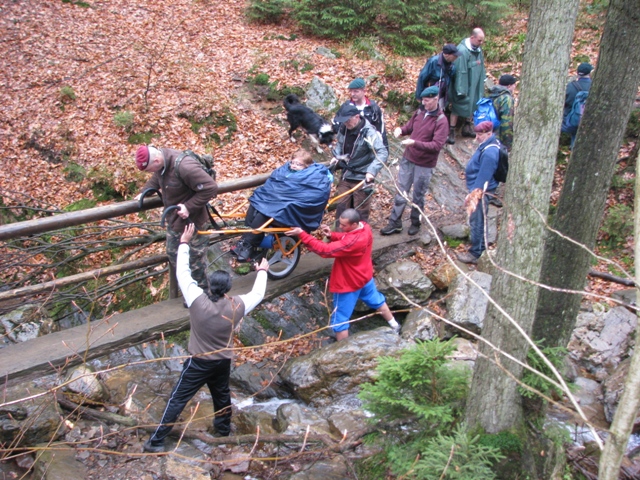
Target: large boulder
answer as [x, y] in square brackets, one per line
[420, 325]
[321, 97]
[339, 369]
[294, 419]
[601, 340]
[59, 464]
[446, 186]
[407, 277]
[29, 422]
[467, 304]
[613, 387]
[260, 380]
[84, 381]
[25, 323]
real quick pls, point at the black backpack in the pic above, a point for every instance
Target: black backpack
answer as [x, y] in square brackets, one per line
[500, 175]
[206, 161]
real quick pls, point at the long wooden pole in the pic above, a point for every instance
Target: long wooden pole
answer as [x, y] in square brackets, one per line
[71, 219]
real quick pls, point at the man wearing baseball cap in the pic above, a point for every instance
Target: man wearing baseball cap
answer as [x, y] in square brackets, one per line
[580, 84]
[439, 70]
[368, 108]
[191, 190]
[427, 130]
[360, 153]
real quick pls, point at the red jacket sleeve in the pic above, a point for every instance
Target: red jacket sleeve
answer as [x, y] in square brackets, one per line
[345, 246]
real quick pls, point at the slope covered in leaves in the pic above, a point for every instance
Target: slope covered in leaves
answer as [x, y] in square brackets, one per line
[164, 62]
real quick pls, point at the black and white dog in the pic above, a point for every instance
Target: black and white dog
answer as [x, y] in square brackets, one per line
[320, 131]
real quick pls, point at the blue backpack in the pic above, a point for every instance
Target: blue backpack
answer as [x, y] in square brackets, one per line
[485, 111]
[577, 109]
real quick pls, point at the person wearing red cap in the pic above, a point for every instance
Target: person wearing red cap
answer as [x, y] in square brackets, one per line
[479, 175]
[191, 191]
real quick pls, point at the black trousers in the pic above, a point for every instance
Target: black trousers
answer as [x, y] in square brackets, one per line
[195, 373]
[255, 219]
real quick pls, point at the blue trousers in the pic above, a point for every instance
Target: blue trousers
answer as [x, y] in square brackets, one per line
[476, 226]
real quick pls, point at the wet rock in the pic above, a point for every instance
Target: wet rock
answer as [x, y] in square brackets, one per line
[292, 418]
[446, 186]
[466, 352]
[320, 96]
[26, 322]
[458, 231]
[31, 421]
[172, 354]
[613, 387]
[261, 381]
[59, 464]
[330, 469]
[342, 423]
[84, 381]
[588, 392]
[326, 374]
[297, 312]
[601, 340]
[466, 303]
[250, 418]
[419, 325]
[407, 277]
[174, 468]
[626, 295]
[443, 275]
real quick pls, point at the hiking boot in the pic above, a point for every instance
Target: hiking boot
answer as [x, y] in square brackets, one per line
[467, 131]
[466, 257]
[390, 229]
[151, 448]
[243, 251]
[495, 201]
[451, 139]
[414, 229]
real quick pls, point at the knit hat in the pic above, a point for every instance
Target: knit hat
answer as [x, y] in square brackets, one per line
[451, 49]
[506, 80]
[430, 92]
[357, 83]
[584, 69]
[142, 157]
[346, 112]
[484, 127]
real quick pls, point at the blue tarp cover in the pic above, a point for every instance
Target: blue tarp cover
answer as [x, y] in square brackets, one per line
[295, 199]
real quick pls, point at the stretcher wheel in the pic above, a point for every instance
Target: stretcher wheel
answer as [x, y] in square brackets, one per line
[280, 265]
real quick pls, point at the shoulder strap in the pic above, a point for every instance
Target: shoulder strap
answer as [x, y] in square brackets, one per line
[176, 164]
[576, 84]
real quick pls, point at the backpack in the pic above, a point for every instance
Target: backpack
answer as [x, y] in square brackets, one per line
[486, 111]
[500, 175]
[577, 109]
[206, 162]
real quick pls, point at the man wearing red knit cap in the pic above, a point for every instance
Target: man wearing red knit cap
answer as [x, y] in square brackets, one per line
[191, 190]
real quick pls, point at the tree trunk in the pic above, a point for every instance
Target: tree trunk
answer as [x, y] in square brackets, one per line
[494, 401]
[592, 164]
[627, 410]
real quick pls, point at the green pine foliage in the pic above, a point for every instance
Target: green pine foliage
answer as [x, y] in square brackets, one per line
[459, 456]
[410, 27]
[337, 19]
[556, 356]
[420, 383]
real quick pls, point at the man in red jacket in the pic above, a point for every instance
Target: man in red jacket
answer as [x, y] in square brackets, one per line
[352, 274]
[428, 130]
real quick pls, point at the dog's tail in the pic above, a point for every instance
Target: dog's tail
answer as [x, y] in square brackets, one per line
[289, 100]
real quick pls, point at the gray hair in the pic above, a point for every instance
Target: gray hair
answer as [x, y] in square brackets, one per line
[351, 215]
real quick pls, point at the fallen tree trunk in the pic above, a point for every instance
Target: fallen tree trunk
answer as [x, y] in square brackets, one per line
[612, 278]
